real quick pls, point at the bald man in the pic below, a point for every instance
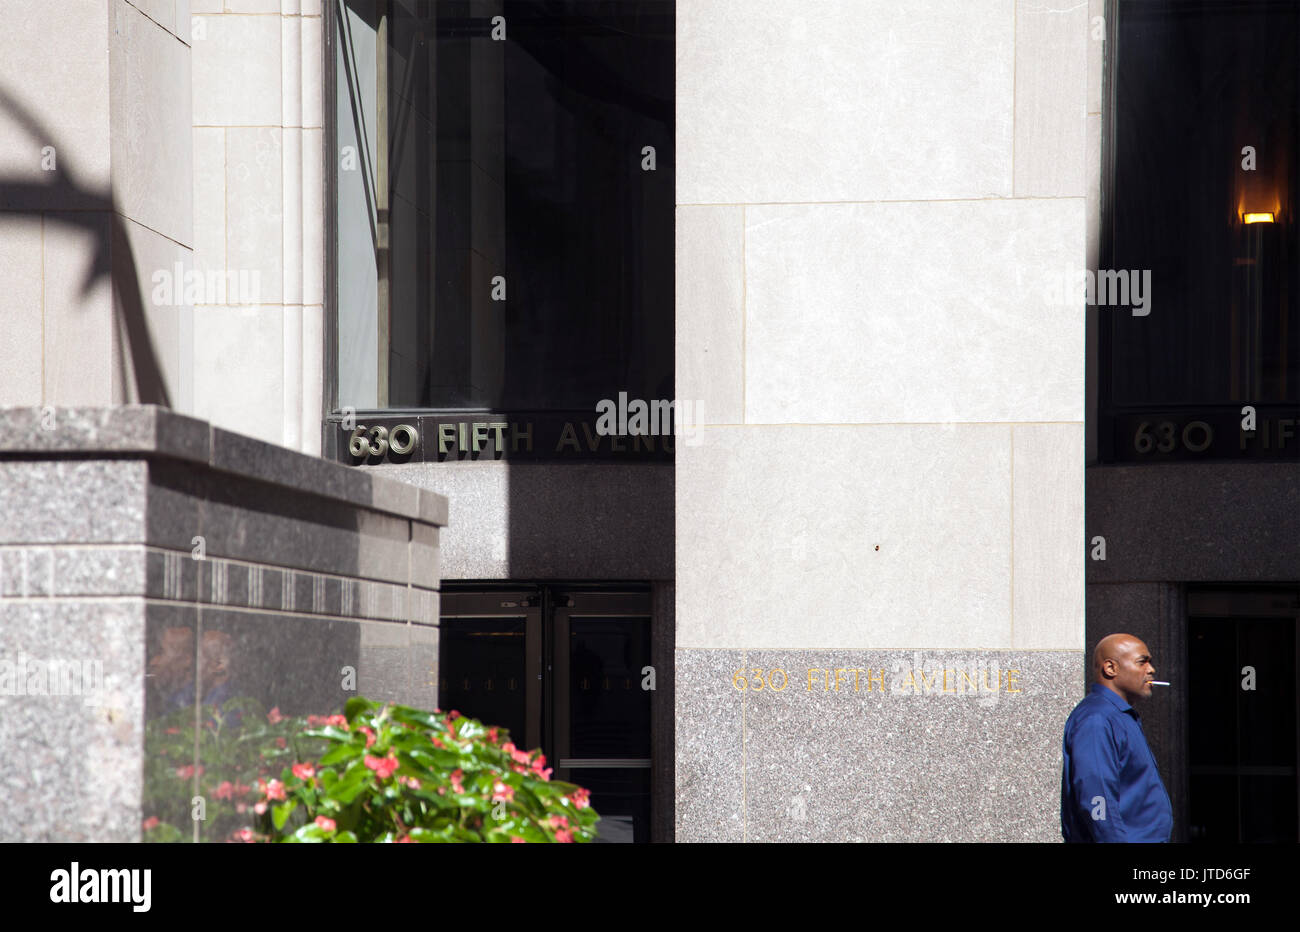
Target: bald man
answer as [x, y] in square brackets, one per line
[1111, 790]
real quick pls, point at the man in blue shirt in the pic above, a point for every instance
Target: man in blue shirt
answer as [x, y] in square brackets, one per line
[1110, 787]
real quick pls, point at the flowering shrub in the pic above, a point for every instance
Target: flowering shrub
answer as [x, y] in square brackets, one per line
[391, 773]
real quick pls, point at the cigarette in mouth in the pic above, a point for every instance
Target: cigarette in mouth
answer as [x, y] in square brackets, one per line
[1159, 683]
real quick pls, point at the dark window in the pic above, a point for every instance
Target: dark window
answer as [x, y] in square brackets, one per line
[1199, 93]
[513, 169]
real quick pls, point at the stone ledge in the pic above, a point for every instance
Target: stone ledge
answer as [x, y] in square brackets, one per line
[150, 431]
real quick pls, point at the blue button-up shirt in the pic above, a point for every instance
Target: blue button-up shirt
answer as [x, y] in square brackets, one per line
[1105, 754]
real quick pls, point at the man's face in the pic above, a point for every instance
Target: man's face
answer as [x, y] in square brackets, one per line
[174, 662]
[214, 658]
[1133, 672]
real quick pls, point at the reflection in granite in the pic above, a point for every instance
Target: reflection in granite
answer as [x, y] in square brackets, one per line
[238, 687]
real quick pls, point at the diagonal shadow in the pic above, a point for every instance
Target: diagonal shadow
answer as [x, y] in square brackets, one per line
[81, 207]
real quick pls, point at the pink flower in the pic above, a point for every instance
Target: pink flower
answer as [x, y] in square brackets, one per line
[453, 714]
[370, 735]
[304, 771]
[516, 840]
[384, 767]
[274, 716]
[280, 743]
[275, 790]
[405, 840]
[411, 782]
[260, 808]
[492, 735]
[172, 731]
[521, 757]
[327, 824]
[150, 822]
[563, 835]
[241, 808]
[186, 772]
[242, 789]
[508, 747]
[559, 821]
[315, 720]
[245, 835]
[225, 790]
[437, 742]
[338, 720]
[442, 791]
[581, 798]
[502, 792]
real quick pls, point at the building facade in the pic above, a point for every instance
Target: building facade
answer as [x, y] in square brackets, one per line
[704, 385]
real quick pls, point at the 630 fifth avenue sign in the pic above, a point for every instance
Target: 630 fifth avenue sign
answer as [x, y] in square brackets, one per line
[464, 437]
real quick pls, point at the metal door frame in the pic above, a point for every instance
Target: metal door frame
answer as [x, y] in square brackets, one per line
[1262, 600]
[506, 603]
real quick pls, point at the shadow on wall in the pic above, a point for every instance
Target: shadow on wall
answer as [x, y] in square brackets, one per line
[20, 196]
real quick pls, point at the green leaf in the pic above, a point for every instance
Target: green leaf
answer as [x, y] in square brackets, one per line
[339, 753]
[356, 706]
[280, 814]
[350, 786]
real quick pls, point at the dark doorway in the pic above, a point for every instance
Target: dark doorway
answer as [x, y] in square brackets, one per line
[1242, 716]
[565, 669]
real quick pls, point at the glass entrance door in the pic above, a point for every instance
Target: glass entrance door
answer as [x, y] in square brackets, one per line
[565, 669]
[1242, 717]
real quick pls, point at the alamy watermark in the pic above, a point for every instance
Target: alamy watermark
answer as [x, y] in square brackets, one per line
[181, 286]
[1103, 287]
[28, 676]
[657, 418]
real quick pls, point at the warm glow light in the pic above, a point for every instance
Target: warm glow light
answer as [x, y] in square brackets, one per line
[1258, 218]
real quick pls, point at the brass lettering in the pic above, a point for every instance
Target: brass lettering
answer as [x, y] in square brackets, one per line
[945, 683]
[1010, 680]
[478, 434]
[837, 677]
[910, 679]
[500, 428]
[463, 444]
[975, 683]
[928, 684]
[593, 438]
[811, 671]
[878, 678]
[517, 435]
[643, 442]
[568, 435]
[997, 681]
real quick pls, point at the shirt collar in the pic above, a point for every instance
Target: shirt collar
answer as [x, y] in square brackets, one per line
[1113, 698]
